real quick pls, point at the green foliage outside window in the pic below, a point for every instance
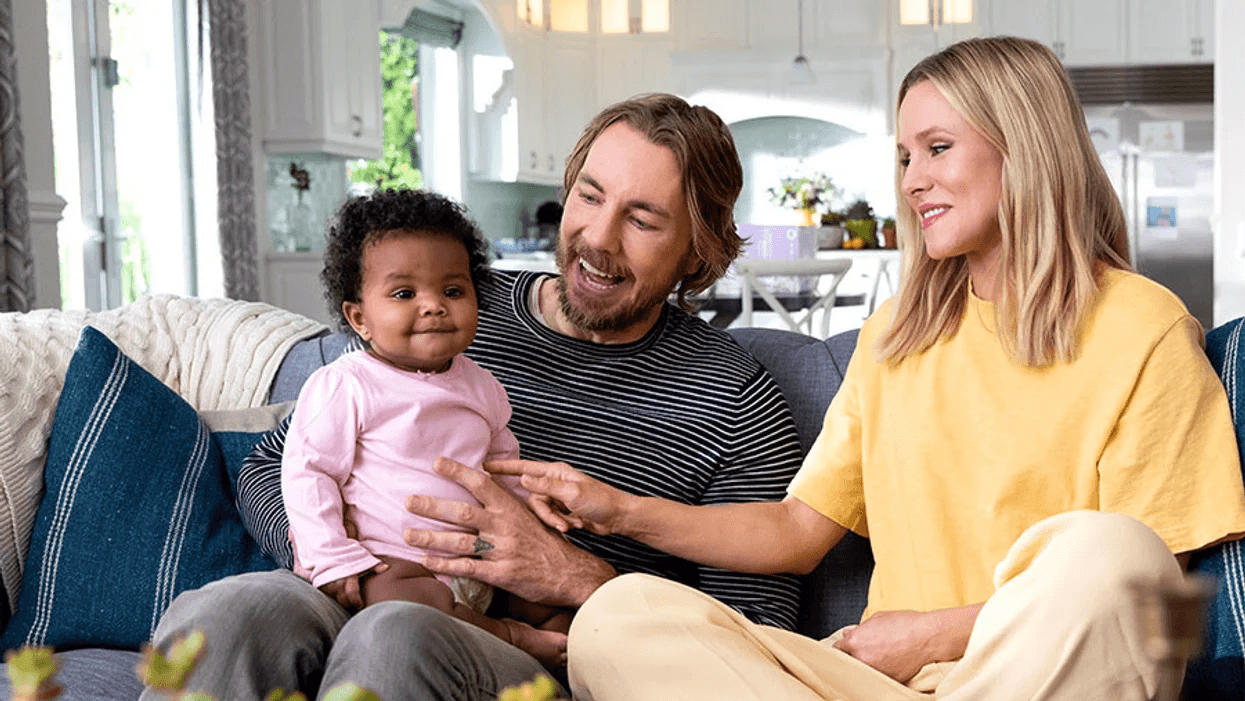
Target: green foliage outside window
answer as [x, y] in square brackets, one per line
[398, 167]
[135, 258]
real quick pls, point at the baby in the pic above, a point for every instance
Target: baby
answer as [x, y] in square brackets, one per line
[404, 267]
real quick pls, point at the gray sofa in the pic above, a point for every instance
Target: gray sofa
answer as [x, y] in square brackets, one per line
[809, 372]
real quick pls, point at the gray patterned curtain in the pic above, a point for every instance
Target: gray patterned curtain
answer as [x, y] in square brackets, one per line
[234, 175]
[17, 265]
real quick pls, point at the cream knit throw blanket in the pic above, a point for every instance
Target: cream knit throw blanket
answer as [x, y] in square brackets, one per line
[215, 353]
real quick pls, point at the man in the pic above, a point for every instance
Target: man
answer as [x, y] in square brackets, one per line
[602, 373]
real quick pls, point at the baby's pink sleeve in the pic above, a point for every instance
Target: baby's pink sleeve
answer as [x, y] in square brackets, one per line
[504, 445]
[318, 459]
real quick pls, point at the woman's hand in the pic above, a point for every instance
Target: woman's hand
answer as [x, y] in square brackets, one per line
[565, 498]
[526, 558]
[899, 643]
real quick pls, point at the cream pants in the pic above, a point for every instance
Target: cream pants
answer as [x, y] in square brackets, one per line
[1062, 624]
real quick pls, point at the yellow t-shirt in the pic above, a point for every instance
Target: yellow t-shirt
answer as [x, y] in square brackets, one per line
[945, 459]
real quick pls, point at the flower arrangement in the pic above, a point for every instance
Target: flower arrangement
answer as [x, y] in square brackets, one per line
[805, 192]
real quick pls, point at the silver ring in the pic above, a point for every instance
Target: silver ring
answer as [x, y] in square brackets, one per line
[481, 546]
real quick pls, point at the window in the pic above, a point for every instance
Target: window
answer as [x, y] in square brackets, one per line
[399, 166]
[130, 137]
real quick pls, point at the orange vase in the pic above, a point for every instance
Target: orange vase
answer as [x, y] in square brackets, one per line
[807, 217]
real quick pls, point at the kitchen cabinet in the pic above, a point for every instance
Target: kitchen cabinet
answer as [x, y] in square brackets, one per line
[712, 25]
[931, 38]
[1080, 32]
[292, 282]
[1113, 32]
[529, 100]
[553, 85]
[320, 68]
[629, 65]
[771, 25]
[1171, 31]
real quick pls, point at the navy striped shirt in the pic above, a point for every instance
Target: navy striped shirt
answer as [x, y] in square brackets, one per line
[683, 413]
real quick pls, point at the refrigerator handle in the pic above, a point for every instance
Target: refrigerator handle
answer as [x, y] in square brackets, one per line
[1134, 234]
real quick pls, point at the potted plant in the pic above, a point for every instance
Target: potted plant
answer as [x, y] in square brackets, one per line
[832, 232]
[861, 226]
[889, 237]
[805, 194]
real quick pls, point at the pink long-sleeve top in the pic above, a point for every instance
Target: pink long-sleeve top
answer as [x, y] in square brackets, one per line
[364, 436]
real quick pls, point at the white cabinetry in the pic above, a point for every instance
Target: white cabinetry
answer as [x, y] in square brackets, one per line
[1172, 31]
[292, 281]
[711, 25]
[628, 65]
[771, 25]
[1080, 32]
[1112, 32]
[1092, 32]
[320, 66]
[529, 100]
[555, 95]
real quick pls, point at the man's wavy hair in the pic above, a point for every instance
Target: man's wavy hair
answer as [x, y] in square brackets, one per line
[1059, 216]
[364, 220]
[712, 175]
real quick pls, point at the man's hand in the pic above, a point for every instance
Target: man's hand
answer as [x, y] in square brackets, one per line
[526, 559]
[899, 643]
[565, 498]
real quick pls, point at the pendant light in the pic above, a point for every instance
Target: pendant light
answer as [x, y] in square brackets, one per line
[800, 72]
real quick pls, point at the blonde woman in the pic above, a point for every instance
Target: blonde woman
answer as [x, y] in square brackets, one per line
[1029, 428]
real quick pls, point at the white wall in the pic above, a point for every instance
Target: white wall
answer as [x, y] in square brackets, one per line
[1229, 161]
[30, 35]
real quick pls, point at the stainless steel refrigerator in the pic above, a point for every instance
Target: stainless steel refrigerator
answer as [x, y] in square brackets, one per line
[1160, 157]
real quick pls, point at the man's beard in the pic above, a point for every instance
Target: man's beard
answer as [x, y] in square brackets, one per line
[622, 318]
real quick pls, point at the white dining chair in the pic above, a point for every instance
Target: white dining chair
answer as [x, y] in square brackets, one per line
[751, 270]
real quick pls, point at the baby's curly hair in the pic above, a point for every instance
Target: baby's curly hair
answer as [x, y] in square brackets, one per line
[366, 219]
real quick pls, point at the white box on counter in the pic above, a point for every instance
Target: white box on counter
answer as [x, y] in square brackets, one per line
[775, 242]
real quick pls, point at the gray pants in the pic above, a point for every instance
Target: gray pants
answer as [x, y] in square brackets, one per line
[269, 630]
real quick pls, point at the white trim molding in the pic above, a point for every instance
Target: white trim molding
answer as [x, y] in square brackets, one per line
[46, 207]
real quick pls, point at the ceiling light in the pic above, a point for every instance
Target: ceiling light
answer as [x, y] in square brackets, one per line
[800, 72]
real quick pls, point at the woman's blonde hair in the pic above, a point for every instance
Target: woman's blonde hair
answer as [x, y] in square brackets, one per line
[1060, 218]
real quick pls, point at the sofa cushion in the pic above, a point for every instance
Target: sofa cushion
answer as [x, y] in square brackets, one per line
[809, 372]
[1218, 672]
[138, 507]
[304, 358]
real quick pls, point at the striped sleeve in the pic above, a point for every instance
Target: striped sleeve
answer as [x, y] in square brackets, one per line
[259, 496]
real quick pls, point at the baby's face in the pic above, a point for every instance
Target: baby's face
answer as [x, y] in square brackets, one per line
[417, 308]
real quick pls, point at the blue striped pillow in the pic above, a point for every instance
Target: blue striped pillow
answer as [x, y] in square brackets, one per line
[138, 507]
[1218, 672]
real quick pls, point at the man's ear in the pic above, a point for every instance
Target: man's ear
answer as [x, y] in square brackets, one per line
[693, 267]
[354, 316]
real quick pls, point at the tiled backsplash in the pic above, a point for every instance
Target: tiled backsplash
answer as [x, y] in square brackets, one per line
[327, 180]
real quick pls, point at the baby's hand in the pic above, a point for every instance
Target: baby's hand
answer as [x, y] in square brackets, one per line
[547, 646]
[347, 591]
